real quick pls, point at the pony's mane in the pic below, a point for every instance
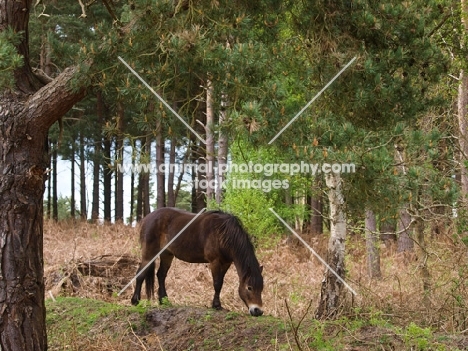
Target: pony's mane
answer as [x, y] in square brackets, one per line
[234, 238]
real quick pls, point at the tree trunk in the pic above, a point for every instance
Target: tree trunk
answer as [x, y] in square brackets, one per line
[160, 176]
[387, 231]
[95, 210]
[119, 145]
[201, 175]
[96, 176]
[423, 255]
[372, 244]
[49, 188]
[331, 294]
[299, 201]
[83, 207]
[222, 153]
[139, 204]
[404, 241]
[107, 179]
[288, 199]
[22, 168]
[132, 187]
[140, 188]
[142, 208]
[146, 180]
[72, 180]
[171, 198]
[193, 159]
[54, 184]
[26, 113]
[316, 207]
[316, 220]
[210, 148]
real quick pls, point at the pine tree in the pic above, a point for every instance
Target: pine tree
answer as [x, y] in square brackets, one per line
[27, 110]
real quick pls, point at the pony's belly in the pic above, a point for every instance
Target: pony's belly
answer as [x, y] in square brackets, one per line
[194, 260]
[190, 256]
[191, 259]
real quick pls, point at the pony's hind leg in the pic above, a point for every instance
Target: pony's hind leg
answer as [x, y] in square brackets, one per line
[147, 275]
[218, 271]
[166, 261]
[137, 292]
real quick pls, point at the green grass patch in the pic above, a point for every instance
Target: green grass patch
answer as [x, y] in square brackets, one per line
[70, 320]
[86, 324]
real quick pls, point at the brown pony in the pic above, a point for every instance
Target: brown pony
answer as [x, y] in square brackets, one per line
[214, 237]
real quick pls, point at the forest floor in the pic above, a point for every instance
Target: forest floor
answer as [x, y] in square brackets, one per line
[86, 266]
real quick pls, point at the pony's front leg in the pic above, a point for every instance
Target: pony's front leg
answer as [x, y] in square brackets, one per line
[166, 261]
[218, 271]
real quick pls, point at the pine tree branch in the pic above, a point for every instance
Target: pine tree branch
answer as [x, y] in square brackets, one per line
[83, 9]
[447, 16]
[112, 13]
[53, 100]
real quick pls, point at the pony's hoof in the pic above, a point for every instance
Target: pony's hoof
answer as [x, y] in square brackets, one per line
[135, 301]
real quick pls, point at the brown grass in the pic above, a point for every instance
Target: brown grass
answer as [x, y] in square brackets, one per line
[98, 260]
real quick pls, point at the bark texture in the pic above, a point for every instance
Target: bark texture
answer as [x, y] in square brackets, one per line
[316, 208]
[404, 242]
[119, 147]
[107, 178]
[24, 122]
[54, 183]
[72, 180]
[160, 176]
[222, 152]
[372, 245]
[95, 206]
[331, 294]
[26, 113]
[423, 256]
[171, 195]
[210, 147]
[83, 207]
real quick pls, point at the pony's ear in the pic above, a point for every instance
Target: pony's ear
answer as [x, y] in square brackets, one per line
[261, 268]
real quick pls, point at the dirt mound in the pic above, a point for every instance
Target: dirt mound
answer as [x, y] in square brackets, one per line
[192, 328]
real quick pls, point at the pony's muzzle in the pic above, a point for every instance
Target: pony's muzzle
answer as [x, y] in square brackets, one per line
[255, 311]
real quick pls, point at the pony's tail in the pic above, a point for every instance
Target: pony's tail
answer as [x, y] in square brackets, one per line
[149, 281]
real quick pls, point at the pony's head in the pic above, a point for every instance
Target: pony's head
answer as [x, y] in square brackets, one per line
[250, 290]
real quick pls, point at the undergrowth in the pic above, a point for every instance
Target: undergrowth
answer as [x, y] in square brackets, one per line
[86, 324]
